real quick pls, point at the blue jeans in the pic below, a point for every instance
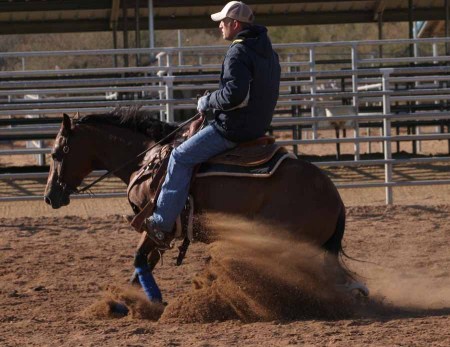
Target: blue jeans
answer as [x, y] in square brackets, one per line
[204, 145]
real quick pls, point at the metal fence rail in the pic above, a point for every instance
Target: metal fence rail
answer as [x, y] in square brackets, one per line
[384, 91]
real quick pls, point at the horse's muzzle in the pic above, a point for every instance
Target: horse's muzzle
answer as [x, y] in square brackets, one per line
[47, 200]
[56, 198]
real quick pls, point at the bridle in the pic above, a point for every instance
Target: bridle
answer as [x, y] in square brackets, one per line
[66, 189]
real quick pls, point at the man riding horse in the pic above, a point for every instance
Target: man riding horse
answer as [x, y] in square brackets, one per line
[243, 108]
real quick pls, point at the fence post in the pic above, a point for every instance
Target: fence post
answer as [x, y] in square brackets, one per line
[35, 143]
[169, 95]
[355, 97]
[436, 83]
[312, 68]
[294, 113]
[160, 74]
[180, 44]
[435, 52]
[169, 89]
[387, 135]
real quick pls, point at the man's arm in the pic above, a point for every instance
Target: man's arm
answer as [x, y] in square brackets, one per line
[237, 79]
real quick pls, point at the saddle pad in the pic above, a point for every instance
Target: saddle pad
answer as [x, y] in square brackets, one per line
[247, 156]
[263, 170]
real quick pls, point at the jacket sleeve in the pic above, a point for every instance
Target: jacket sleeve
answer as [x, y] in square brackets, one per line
[236, 81]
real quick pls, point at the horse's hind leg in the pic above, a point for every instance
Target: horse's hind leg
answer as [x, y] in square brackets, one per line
[337, 271]
[143, 271]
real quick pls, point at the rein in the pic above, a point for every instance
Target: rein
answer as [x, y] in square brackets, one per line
[111, 172]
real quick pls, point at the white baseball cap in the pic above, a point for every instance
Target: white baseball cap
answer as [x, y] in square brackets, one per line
[235, 10]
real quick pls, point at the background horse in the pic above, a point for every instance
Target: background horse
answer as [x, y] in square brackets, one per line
[298, 197]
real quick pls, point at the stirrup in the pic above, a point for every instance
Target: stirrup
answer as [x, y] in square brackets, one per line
[163, 240]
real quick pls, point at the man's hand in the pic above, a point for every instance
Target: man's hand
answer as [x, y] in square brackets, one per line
[203, 104]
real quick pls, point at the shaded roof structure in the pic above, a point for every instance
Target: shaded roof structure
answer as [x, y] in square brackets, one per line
[57, 16]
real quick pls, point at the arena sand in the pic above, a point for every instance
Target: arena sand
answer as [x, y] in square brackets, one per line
[57, 271]
[258, 272]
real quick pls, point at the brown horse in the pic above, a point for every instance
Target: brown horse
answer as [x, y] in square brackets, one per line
[298, 196]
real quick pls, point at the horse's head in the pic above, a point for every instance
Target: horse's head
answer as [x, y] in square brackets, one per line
[69, 166]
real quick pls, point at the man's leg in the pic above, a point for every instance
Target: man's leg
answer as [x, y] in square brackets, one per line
[204, 145]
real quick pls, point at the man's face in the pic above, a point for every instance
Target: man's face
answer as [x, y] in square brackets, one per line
[229, 28]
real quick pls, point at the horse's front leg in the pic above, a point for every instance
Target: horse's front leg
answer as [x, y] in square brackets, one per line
[143, 271]
[152, 259]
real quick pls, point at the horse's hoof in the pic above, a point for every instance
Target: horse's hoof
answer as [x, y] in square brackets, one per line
[355, 288]
[359, 289]
[119, 308]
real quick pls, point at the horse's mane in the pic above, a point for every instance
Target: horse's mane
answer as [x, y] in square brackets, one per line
[133, 118]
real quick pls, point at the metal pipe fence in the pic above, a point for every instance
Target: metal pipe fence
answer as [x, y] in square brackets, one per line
[381, 90]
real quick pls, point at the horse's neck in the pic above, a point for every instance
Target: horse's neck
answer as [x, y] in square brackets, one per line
[117, 147]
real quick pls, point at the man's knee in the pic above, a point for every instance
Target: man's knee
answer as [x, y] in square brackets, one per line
[179, 157]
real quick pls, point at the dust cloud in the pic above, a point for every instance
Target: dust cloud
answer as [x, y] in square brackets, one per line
[412, 289]
[115, 299]
[259, 273]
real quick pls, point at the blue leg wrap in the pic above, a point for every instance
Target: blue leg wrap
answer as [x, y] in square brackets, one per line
[148, 283]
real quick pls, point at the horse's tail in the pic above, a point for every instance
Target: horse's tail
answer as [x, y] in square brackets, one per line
[334, 247]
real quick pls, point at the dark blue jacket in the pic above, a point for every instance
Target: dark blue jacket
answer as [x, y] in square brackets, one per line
[249, 86]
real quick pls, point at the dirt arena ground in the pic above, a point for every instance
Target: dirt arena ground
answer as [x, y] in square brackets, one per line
[57, 266]
[60, 268]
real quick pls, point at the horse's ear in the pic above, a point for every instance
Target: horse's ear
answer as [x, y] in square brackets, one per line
[67, 124]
